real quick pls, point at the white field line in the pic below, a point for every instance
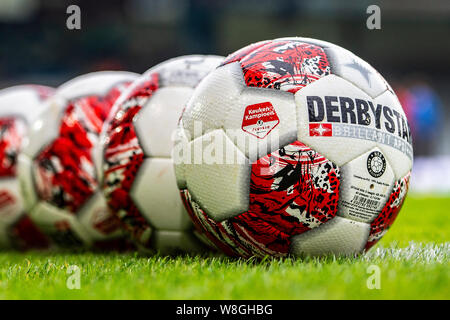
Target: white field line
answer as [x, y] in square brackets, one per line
[414, 252]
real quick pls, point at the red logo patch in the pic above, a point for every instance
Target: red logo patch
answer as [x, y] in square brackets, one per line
[260, 119]
[320, 129]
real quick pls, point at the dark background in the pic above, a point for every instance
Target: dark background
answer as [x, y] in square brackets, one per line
[412, 47]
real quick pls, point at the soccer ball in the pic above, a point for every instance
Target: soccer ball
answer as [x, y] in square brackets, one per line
[139, 180]
[293, 146]
[56, 168]
[19, 106]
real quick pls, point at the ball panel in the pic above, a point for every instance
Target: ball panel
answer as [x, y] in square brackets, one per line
[155, 194]
[281, 64]
[339, 236]
[225, 192]
[342, 122]
[321, 125]
[63, 228]
[212, 100]
[388, 214]
[284, 65]
[365, 186]
[400, 162]
[45, 128]
[158, 119]
[352, 68]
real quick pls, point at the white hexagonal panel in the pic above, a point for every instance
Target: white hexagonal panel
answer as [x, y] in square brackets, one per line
[218, 177]
[212, 100]
[156, 195]
[156, 123]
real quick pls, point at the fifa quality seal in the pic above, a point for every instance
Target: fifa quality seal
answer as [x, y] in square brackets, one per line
[376, 164]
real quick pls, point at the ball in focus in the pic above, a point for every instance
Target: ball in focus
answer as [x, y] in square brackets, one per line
[304, 147]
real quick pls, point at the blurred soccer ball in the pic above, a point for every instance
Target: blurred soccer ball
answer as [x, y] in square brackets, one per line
[320, 148]
[19, 106]
[139, 179]
[58, 177]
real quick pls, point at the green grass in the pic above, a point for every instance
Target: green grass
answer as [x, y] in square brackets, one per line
[413, 259]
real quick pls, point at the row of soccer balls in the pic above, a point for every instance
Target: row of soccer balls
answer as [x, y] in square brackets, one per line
[51, 179]
[91, 163]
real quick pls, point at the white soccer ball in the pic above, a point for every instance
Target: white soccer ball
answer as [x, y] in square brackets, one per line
[19, 107]
[139, 179]
[304, 149]
[57, 170]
